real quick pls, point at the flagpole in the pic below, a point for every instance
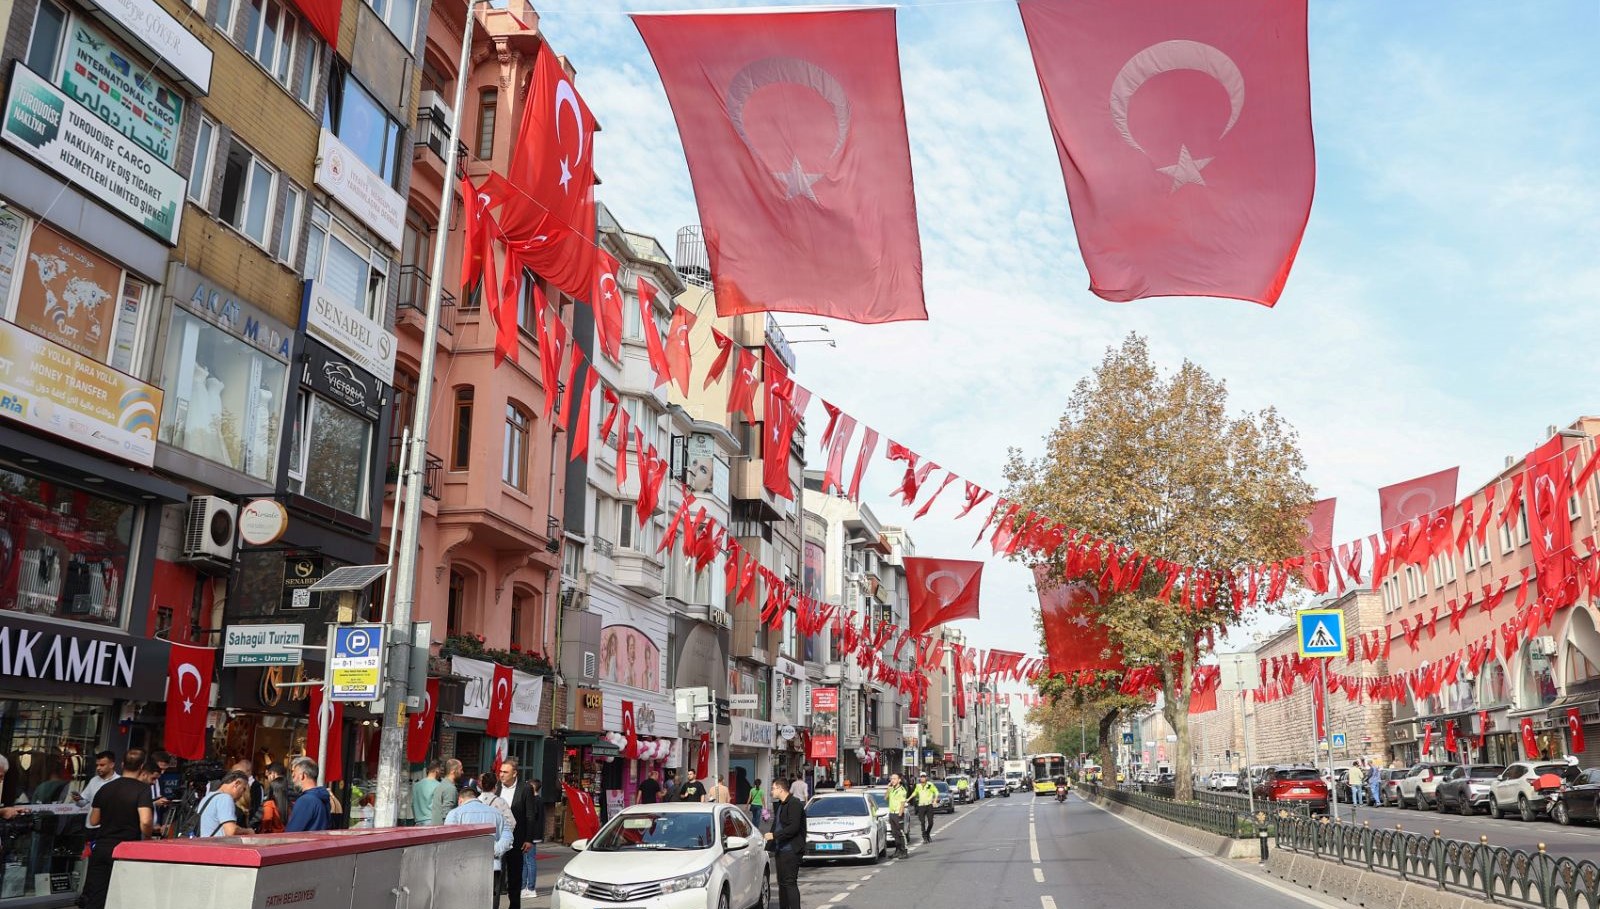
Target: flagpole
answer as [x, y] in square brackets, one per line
[392, 743]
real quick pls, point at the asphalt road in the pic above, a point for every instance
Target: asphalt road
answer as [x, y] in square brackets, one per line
[1027, 853]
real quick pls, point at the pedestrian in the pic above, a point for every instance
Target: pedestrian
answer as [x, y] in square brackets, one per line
[275, 807]
[720, 793]
[756, 801]
[470, 812]
[254, 790]
[164, 784]
[444, 798]
[530, 863]
[1357, 775]
[489, 794]
[926, 797]
[313, 808]
[423, 792]
[692, 791]
[218, 811]
[898, 796]
[649, 789]
[1375, 782]
[800, 790]
[787, 842]
[520, 798]
[122, 812]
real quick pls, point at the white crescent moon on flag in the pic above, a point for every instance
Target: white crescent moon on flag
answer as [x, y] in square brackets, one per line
[567, 97]
[604, 279]
[187, 669]
[499, 686]
[927, 584]
[790, 71]
[1402, 505]
[1166, 57]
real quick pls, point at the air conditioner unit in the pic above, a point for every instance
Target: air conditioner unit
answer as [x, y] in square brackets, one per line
[832, 672]
[209, 533]
[1544, 644]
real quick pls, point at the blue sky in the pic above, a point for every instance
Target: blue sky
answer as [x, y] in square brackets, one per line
[1442, 310]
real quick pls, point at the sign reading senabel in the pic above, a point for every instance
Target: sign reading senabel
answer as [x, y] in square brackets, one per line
[63, 135]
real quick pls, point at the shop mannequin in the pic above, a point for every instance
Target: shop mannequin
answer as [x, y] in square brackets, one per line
[202, 434]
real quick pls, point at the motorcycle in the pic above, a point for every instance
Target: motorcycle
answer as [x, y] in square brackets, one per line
[1061, 792]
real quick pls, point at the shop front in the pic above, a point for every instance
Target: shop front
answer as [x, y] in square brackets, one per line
[750, 746]
[462, 736]
[64, 687]
[788, 690]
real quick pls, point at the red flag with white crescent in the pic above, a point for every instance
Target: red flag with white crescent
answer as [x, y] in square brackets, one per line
[794, 129]
[501, 688]
[1401, 503]
[702, 766]
[584, 816]
[1530, 743]
[1184, 133]
[941, 590]
[419, 726]
[188, 698]
[629, 731]
[330, 714]
[1549, 485]
[1074, 638]
[606, 301]
[1575, 727]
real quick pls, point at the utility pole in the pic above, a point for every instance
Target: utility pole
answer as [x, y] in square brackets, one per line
[392, 740]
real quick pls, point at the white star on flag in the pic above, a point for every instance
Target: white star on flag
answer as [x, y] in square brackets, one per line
[1187, 170]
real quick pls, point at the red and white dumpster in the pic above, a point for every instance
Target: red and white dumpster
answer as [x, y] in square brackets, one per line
[401, 868]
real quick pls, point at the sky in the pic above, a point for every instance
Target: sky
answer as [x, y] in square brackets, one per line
[1440, 313]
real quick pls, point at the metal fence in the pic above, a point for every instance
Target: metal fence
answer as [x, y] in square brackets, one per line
[1494, 873]
[1219, 820]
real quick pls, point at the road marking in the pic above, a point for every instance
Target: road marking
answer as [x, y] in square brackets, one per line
[838, 898]
[1047, 902]
[1033, 842]
[1038, 876]
[866, 877]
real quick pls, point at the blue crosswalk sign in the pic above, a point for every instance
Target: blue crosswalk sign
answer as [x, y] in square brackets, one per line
[1321, 633]
[1338, 740]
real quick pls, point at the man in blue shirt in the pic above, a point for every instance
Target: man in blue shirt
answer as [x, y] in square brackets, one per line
[470, 812]
[312, 809]
[219, 814]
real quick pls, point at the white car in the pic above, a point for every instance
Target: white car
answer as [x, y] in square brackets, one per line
[679, 855]
[1225, 781]
[1513, 790]
[845, 825]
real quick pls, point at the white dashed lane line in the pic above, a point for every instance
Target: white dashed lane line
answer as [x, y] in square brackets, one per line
[1038, 876]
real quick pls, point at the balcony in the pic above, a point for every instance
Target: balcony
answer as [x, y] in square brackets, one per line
[637, 572]
[432, 139]
[433, 464]
[412, 312]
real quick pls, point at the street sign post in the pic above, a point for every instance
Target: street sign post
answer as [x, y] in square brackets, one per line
[1338, 740]
[355, 671]
[1321, 633]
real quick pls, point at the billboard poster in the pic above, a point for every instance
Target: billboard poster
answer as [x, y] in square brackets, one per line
[824, 724]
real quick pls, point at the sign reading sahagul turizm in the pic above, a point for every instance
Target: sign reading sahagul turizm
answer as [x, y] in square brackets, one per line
[63, 135]
[262, 645]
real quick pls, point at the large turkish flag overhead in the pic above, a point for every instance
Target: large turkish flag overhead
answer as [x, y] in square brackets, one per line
[794, 128]
[1073, 636]
[1399, 503]
[941, 590]
[1549, 484]
[1184, 132]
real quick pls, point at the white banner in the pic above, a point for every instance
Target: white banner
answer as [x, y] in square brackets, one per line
[750, 733]
[527, 691]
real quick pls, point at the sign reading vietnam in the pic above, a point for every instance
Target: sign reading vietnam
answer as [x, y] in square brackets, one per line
[63, 135]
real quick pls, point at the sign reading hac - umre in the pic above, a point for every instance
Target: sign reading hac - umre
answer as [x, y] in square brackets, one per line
[55, 659]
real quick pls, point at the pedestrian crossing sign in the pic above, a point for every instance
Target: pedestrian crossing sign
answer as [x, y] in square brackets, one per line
[1321, 633]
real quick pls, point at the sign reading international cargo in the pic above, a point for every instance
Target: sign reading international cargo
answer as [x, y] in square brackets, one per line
[49, 387]
[63, 135]
[140, 106]
[356, 670]
[174, 49]
[262, 645]
[354, 185]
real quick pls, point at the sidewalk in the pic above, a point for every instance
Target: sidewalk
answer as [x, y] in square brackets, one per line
[552, 858]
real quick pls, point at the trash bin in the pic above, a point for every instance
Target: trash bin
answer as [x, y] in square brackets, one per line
[394, 868]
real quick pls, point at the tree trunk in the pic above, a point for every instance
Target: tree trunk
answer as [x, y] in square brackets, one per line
[1176, 709]
[1108, 754]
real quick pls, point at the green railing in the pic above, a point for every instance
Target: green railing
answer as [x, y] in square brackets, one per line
[1225, 821]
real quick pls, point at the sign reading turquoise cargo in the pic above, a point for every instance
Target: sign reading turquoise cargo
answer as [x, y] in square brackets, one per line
[63, 135]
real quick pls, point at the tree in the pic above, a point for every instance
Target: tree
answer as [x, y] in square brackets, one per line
[1072, 714]
[1157, 463]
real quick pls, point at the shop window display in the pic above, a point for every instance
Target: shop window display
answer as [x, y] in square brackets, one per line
[330, 455]
[48, 747]
[63, 551]
[223, 397]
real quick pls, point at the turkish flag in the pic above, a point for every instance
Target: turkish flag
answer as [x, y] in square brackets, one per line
[1575, 726]
[702, 766]
[941, 590]
[1074, 638]
[779, 419]
[1184, 132]
[501, 688]
[1427, 739]
[331, 714]
[680, 362]
[652, 334]
[549, 218]
[188, 698]
[719, 366]
[1402, 503]
[552, 346]
[607, 304]
[1483, 727]
[580, 424]
[419, 728]
[629, 731]
[1450, 736]
[474, 226]
[1319, 526]
[742, 390]
[794, 129]
[584, 816]
[324, 18]
[1549, 485]
[1530, 744]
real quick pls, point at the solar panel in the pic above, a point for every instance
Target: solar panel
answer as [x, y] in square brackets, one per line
[350, 577]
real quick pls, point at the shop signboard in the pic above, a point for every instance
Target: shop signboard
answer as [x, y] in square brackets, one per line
[737, 701]
[49, 126]
[337, 379]
[527, 691]
[48, 387]
[141, 106]
[355, 672]
[824, 724]
[355, 186]
[588, 710]
[299, 573]
[52, 658]
[336, 322]
[262, 522]
[174, 49]
[751, 733]
[262, 645]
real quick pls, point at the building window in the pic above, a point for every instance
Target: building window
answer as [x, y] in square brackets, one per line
[1522, 524]
[461, 445]
[1505, 538]
[200, 167]
[68, 550]
[221, 397]
[527, 315]
[516, 623]
[44, 46]
[247, 190]
[288, 226]
[400, 16]
[164, 617]
[361, 123]
[348, 268]
[330, 455]
[514, 460]
[455, 603]
[404, 404]
[487, 101]
[625, 521]
[277, 39]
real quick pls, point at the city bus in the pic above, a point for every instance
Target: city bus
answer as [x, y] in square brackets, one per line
[1046, 767]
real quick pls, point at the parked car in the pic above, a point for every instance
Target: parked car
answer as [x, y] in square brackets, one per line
[1225, 781]
[1465, 788]
[962, 795]
[1294, 787]
[1579, 799]
[1389, 787]
[947, 798]
[1418, 787]
[691, 850]
[1513, 789]
[846, 825]
[994, 786]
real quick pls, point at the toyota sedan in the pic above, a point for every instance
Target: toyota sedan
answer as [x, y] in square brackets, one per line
[845, 825]
[681, 855]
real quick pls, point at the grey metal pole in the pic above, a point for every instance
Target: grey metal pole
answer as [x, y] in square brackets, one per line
[1327, 738]
[392, 742]
[324, 716]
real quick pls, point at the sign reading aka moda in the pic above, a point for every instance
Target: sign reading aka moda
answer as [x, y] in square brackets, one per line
[49, 658]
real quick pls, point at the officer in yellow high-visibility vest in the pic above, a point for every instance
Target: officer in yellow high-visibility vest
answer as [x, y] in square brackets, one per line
[898, 797]
[926, 797]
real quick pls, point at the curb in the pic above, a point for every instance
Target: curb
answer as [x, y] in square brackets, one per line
[1359, 887]
[1214, 844]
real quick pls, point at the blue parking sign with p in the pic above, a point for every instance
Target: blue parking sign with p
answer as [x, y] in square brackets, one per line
[1321, 633]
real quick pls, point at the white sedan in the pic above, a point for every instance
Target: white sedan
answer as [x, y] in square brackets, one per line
[845, 825]
[679, 855]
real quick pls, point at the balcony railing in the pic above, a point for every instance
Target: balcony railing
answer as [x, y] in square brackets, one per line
[414, 297]
[433, 465]
[434, 133]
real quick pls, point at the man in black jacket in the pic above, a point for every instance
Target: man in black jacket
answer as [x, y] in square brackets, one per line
[521, 799]
[787, 841]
